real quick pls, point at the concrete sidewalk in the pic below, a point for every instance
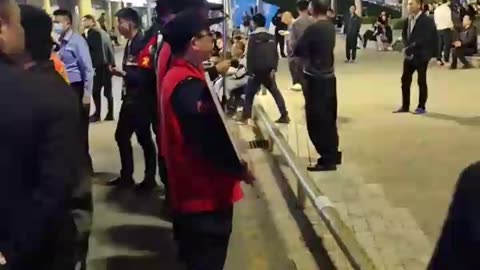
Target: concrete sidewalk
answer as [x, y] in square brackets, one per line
[131, 231]
[399, 170]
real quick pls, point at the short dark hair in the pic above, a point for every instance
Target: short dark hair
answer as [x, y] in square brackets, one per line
[64, 13]
[302, 5]
[131, 15]
[320, 7]
[38, 27]
[90, 18]
[259, 20]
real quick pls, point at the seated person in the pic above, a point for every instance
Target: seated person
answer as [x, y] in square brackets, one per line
[466, 44]
[381, 32]
[236, 77]
[385, 38]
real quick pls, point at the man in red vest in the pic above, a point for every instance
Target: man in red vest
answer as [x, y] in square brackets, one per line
[204, 172]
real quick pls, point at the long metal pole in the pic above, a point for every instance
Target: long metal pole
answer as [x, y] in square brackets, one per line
[225, 40]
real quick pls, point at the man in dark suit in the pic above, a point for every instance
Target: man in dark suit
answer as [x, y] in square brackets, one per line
[419, 37]
[40, 157]
[95, 44]
[352, 32]
[466, 44]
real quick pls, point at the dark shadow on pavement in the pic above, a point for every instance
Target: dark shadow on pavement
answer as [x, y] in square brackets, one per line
[103, 177]
[313, 242]
[154, 240]
[465, 121]
[133, 263]
[140, 203]
[344, 120]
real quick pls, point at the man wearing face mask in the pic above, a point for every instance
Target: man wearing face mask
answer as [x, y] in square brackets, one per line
[138, 104]
[39, 159]
[75, 54]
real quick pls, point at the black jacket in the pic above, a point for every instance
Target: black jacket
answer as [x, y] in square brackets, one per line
[40, 161]
[353, 27]
[468, 37]
[95, 44]
[422, 41]
[459, 243]
[262, 54]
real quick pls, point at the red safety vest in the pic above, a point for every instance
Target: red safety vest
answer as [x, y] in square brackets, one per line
[195, 184]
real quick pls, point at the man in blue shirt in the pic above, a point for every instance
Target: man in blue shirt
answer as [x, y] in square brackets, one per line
[75, 54]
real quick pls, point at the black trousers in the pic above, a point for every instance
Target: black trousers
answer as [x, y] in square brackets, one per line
[135, 118]
[409, 67]
[102, 79]
[162, 167]
[281, 42]
[321, 115]
[296, 69]
[203, 238]
[368, 35]
[78, 87]
[444, 44]
[460, 53]
[253, 86]
[351, 48]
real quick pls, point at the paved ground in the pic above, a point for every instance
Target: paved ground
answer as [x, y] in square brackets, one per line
[399, 170]
[130, 231]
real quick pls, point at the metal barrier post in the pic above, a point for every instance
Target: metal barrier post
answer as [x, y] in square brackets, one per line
[341, 232]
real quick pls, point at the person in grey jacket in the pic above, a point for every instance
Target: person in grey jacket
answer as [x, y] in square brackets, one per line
[103, 61]
[296, 30]
[262, 63]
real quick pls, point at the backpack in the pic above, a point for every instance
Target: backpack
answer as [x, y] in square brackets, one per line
[262, 55]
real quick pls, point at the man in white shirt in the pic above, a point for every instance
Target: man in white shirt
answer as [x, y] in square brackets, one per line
[444, 23]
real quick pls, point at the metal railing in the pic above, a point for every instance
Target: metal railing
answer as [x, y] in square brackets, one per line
[306, 189]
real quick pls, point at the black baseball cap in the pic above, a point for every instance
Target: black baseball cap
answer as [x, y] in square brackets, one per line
[185, 26]
[177, 6]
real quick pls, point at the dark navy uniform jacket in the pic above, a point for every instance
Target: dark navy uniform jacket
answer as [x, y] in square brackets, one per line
[139, 83]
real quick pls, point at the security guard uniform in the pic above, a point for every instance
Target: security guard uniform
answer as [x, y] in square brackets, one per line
[136, 114]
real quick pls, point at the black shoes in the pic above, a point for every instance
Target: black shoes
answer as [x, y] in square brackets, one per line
[109, 118]
[94, 119]
[402, 110]
[147, 185]
[122, 182]
[324, 165]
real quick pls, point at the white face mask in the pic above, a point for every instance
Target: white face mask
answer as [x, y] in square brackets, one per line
[58, 28]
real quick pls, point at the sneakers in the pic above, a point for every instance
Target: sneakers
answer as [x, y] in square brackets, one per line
[284, 119]
[296, 87]
[420, 111]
